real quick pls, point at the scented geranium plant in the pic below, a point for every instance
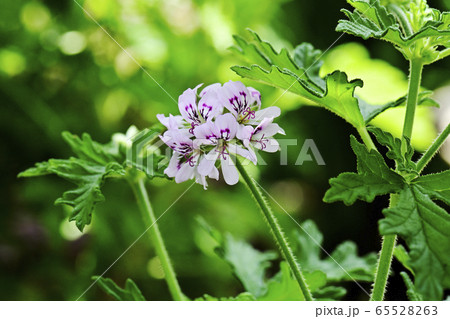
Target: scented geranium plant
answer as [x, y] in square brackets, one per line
[221, 130]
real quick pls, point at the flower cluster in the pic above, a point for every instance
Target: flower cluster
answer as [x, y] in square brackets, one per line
[214, 126]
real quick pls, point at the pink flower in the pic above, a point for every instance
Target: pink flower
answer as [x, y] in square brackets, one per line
[198, 112]
[220, 135]
[216, 126]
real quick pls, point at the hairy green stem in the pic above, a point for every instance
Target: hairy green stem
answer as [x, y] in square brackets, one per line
[148, 215]
[433, 149]
[383, 267]
[280, 238]
[415, 77]
[388, 245]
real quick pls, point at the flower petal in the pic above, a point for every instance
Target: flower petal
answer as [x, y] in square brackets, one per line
[215, 87]
[206, 134]
[214, 174]
[229, 171]
[255, 96]
[239, 150]
[171, 122]
[226, 126]
[206, 165]
[209, 106]
[187, 103]
[235, 97]
[185, 172]
[272, 111]
[173, 167]
[244, 132]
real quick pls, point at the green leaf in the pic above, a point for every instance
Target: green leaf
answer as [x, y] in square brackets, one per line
[411, 292]
[248, 264]
[330, 293]
[426, 228]
[88, 176]
[307, 58]
[245, 296]
[437, 185]
[402, 159]
[403, 25]
[94, 163]
[343, 264]
[402, 256]
[283, 286]
[374, 178]
[335, 92]
[130, 293]
[369, 111]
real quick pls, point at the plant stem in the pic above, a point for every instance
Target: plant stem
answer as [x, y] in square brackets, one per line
[388, 245]
[415, 77]
[433, 149]
[365, 136]
[140, 192]
[383, 267]
[278, 234]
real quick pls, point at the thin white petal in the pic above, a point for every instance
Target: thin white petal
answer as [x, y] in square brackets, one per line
[207, 163]
[272, 111]
[229, 171]
[186, 172]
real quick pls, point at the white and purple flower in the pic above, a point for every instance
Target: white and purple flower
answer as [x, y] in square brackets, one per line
[207, 137]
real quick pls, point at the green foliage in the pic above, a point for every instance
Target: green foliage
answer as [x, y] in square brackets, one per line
[402, 256]
[88, 171]
[414, 216]
[403, 159]
[248, 264]
[343, 264]
[437, 185]
[414, 28]
[245, 296]
[300, 75]
[374, 178]
[131, 291]
[411, 291]
[94, 163]
[426, 228]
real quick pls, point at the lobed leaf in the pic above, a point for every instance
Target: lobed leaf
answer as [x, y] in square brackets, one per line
[426, 228]
[88, 177]
[374, 178]
[248, 264]
[131, 291]
[403, 159]
[343, 264]
[301, 77]
[401, 24]
[94, 163]
[437, 185]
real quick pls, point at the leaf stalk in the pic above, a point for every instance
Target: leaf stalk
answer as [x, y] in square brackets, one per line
[433, 149]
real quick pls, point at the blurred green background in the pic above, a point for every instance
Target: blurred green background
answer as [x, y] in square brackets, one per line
[60, 71]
